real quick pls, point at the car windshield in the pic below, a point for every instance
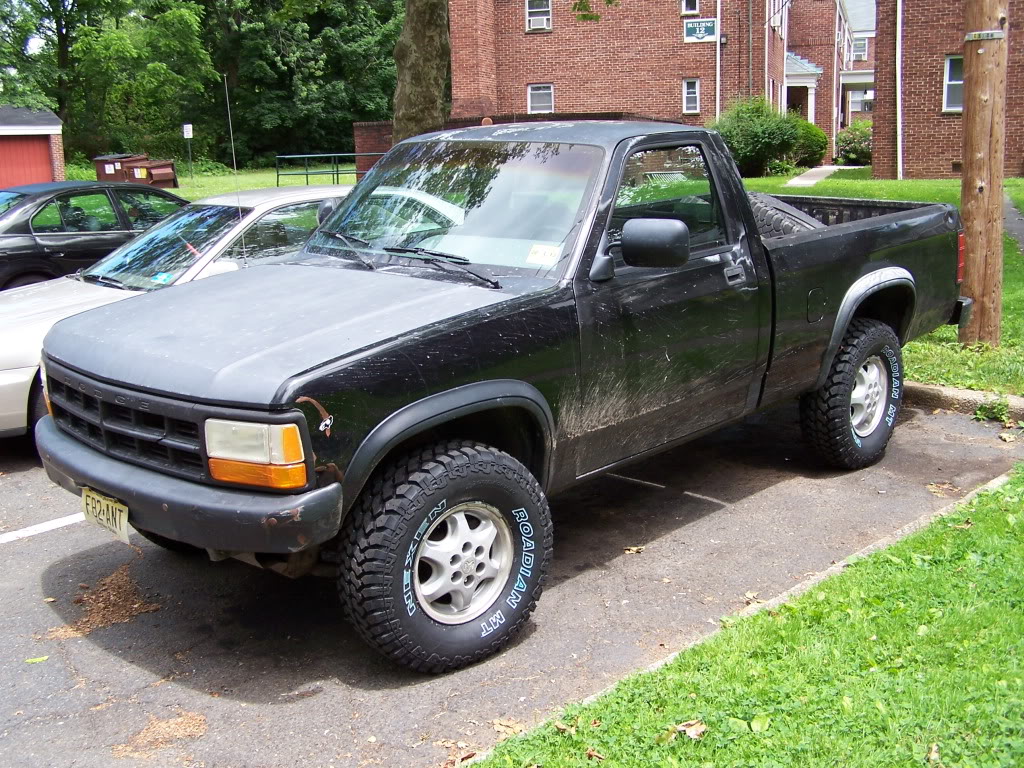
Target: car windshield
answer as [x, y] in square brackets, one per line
[160, 256]
[511, 206]
[8, 200]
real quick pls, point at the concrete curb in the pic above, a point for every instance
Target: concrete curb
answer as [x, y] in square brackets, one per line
[794, 591]
[960, 400]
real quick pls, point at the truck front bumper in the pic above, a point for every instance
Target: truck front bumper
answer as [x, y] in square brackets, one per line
[204, 516]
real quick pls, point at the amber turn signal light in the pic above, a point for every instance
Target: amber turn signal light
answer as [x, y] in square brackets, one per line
[281, 476]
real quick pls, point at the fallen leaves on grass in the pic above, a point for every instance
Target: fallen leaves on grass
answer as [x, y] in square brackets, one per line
[159, 734]
[933, 754]
[633, 550]
[968, 523]
[115, 600]
[563, 728]
[942, 490]
[695, 729]
[593, 754]
[507, 727]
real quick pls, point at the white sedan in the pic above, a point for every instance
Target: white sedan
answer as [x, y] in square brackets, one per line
[215, 235]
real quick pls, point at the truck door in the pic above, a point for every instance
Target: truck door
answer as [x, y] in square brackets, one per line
[666, 352]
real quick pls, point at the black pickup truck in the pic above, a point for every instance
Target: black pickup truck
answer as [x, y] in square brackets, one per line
[492, 315]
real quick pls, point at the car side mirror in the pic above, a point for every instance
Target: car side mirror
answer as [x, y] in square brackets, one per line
[658, 243]
[327, 207]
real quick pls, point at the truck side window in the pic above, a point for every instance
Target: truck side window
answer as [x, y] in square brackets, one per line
[670, 183]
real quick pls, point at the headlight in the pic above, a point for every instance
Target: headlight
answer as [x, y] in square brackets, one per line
[249, 453]
[46, 388]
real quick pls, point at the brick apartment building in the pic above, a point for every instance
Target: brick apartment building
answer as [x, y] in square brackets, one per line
[684, 60]
[675, 59]
[918, 127]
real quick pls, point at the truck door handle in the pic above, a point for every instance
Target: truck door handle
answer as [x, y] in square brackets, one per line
[735, 274]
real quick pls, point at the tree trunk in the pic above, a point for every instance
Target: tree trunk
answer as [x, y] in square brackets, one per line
[422, 56]
[981, 192]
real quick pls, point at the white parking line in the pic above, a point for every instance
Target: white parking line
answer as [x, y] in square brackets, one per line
[49, 525]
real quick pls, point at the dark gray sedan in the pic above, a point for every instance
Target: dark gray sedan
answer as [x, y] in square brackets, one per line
[56, 228]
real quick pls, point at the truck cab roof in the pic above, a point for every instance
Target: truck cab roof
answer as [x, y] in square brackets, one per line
[604, 133]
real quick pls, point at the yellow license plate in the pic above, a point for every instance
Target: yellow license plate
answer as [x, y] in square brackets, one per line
[106, 513]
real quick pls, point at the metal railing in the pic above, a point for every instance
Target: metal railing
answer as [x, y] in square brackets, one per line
[333, 162]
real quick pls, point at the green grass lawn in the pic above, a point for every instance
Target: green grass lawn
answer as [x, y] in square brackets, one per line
[913, 656]
[938, 358]
[853, 173]
[205, 186]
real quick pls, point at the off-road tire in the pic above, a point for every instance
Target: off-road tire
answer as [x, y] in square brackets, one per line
[775, 218]
[825, 415]
[387, 524]
[178, 547]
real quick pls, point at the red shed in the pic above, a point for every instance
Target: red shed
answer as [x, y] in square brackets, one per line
[31, 146]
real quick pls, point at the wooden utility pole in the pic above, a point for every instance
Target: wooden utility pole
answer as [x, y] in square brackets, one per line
[981, 196]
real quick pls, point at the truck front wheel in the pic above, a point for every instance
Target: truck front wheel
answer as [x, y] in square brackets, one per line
[443, 557]
[850, 419]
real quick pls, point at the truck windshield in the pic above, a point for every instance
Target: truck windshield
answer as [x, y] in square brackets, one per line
[508, 205]
[160, 256]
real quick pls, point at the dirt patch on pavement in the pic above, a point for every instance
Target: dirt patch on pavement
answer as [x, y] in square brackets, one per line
[159, 734]
[116, 599]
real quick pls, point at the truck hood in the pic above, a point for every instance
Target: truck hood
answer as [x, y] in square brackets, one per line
[26, 314]
[237, 338]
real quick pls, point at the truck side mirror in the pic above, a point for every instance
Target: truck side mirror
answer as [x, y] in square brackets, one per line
[327, 207]
[659, 243]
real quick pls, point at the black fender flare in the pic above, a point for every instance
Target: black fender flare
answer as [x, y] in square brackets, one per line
[873, 282]
[437, 409]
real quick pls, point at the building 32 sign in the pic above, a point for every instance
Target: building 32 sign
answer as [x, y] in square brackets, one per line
[700, 30]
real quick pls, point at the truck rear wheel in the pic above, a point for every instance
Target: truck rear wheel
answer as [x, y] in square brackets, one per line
[444, 556]
[850, 419]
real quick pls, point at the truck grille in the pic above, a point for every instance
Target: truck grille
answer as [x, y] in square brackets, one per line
[128, 426]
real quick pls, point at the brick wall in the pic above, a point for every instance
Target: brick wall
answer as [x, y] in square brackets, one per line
[812, 35]
[932, 145]
[632, 60]
[57, 156]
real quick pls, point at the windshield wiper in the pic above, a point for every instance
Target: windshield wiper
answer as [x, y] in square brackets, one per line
[86, 277]
[348, 240]
[441, 260]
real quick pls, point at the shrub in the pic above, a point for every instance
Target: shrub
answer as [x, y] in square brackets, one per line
[76, 172]
[756, 134]
[780, 168]
[811, 143]
[854, 143]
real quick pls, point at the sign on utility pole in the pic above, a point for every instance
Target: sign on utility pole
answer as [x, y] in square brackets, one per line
[981, 191]
[186, 132]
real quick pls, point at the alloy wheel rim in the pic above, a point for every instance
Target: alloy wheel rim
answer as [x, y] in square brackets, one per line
[867, 401]
[463, 563]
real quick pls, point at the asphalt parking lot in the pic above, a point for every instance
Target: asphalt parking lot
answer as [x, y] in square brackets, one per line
[219, 664]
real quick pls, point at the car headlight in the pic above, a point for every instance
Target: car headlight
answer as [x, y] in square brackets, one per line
[250, 453]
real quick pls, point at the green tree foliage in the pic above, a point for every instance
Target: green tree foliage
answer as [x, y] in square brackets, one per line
[125, 74]
[811, 143]
[853, 143]
[756, 134]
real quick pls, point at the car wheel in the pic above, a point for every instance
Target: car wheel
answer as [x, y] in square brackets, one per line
[850, 419]
[36, 405]
[444, 555]
[22, 280]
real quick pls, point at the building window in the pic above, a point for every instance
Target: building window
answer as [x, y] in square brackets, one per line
[862, 101]
[690, 8]
[953, 86]
[691, 97]
[538, 15]
[776, 7]
[540, 98]
[860, 49]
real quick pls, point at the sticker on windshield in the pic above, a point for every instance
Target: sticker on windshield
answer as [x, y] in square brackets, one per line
[543, 255]
[163, 278]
